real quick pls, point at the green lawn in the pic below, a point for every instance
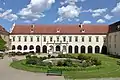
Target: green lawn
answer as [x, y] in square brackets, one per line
[109, 68]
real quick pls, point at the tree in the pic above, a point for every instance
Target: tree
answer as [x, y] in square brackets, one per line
[2, 44]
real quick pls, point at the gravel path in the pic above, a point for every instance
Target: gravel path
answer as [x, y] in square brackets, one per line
[8, 73]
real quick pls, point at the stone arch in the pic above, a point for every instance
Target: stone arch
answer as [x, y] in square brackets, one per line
[76, 49]
[82, 49]
[31, 47]
[70, 49]
[44, 49]
[104, 49]
[89, 49]
[57, 48]
[25, 47]
[13, 47]
[97, 49]
[19, 47]
[37, 49]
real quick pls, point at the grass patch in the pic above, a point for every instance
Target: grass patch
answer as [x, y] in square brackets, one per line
[109, 68]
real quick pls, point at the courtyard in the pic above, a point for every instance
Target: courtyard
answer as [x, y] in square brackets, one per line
[9, 73]
[108, 70]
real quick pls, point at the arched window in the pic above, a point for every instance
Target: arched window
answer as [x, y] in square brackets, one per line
[70, 49]
[76, 49]
[82, 49]
[97, 49]
[89, 49]
[19, 47]
[13, 47]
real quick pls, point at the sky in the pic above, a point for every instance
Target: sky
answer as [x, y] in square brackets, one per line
[58, 12]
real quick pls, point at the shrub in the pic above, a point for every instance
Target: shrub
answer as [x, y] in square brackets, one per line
[67, 62]
[59, 63]
[49, 56]
[43, 58]
[52, 56]
[61, 56]
[118, 62]
[34, 57]
[28, 56]
[31, 61]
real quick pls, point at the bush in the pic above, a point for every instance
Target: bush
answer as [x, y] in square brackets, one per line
[59, 63]
[28, 56]
[67, 62]
[31, 61]
[52, 56]
[49, 56]
[118, 62]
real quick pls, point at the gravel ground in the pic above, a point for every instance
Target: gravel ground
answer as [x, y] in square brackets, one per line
[8, 73]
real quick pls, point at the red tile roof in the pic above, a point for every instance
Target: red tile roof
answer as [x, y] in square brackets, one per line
[60, 29]
[2, 30]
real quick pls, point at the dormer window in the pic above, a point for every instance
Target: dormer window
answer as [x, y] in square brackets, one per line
[82, 30]
[32, 29]
[118, 27]
[58, 30]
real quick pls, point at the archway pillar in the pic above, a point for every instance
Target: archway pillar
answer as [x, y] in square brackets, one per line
[93, 49]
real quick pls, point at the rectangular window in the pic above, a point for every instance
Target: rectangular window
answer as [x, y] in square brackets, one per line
[109, 45]
[97, 39]
[76, 39]
[82, 38]
[57, 38]
[90, 38]
[104, 39]
[109, 38]
[51, 39]
[44, 38]
[19, 38]
[31, 39]
[115, 38]
[25, 38]
[115, 45]
[13, 38]
[64, 38]
[38, 39]
[70, 38]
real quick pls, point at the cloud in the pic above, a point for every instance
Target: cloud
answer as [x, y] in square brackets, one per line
[27, 21]
[100, 10]
[108, 17]
[96, 14]
[1, 9]
[116, 9]
[35, 9]
[82, 0]
[100, 21]
[8, 15]
[68, 12]
[86, 22]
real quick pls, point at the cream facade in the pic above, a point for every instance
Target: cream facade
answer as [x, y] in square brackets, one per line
[61, 43]
[75, 39]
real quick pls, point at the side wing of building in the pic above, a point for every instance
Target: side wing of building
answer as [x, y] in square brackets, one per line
[114, 38]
